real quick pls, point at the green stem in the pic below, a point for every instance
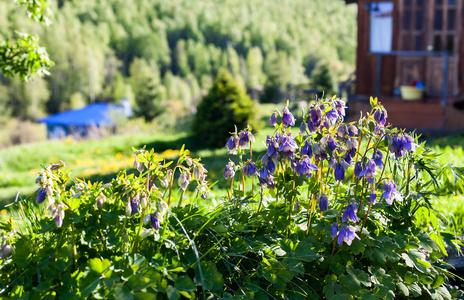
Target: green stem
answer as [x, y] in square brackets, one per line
[291, 199]
[180, 198]
[260, 200]
[243, 182]
[365, 218]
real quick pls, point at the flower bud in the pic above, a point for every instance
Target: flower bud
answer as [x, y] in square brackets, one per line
[159, 216]
[55, 167]
[6, 249]
[135, 205]
[297, 206]
[128, 208]
[41, 196]
[58, 221]
[106, 186]
[143, 202]
[146, 219]
[125, 237]
[100, 201]
[273, 119]
[163, 207]
[39, 179]
[155, 222]
[146, 233]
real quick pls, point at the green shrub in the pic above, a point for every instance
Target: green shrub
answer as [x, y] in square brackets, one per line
[225, 105]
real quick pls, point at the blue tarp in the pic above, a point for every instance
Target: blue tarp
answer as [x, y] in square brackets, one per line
[96, 114]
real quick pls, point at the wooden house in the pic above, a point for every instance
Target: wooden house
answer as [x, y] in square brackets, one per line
[402, 42]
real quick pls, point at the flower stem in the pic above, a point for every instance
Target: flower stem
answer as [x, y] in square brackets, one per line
[291, 199]
[333, 251]
[365, 218]
[243, 183]
[180, 198]
[260, 200]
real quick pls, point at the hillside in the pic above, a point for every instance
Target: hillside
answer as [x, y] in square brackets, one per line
[169, 51]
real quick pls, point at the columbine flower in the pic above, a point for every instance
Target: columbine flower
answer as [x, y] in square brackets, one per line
[396, 146]
[232, 144]
[307, 149]
[304, 167]
[5, 251]
[245, 137]
[351, 147]
[323, 203]
[378, 158]
[41, 196]
[273, 119]
[369, 172]
[320, 151]
[296, 207]
[315, 116]
[334, 230]
[229, 172]
[288, 146]
[408, 143]
[134, 205]
[184, 180]
[249, 169]
[350, 213]
[340, 168]
[303, 127]
[199, 172]
[358, 169]
[380, 116]
[101, 199]
[352, 130]
[340, 107]
[332, 116]
[154, 222]
[287, 118]
[391, 192]
[128, 208]
[347, 234]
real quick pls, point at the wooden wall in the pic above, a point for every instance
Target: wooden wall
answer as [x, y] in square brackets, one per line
[366, 63]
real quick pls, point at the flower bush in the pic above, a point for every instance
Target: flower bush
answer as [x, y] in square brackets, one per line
[326, 212]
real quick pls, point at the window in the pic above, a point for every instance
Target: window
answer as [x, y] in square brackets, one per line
[381, 27]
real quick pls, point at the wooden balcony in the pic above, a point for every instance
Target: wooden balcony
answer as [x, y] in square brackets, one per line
[426, 114]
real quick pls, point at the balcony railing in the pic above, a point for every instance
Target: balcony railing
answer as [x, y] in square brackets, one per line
[445, 54]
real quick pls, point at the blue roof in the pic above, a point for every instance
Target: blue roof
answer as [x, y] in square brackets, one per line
[94, 114]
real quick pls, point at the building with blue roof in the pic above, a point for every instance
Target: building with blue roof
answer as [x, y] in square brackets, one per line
[91, 121]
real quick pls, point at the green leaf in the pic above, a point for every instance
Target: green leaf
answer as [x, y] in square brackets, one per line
[23, 255]
[403, 289]
[184, 283]
[89, 283]
[144, 296]
[121, 292]
[294, 265]
[212, 279]
[440, 294]
[220, 228]
[360, 275]
[357, 246]
[42, 287]
[304, 253]
[439, 280]
[415, 289]
[98, 265]
[414, 258]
